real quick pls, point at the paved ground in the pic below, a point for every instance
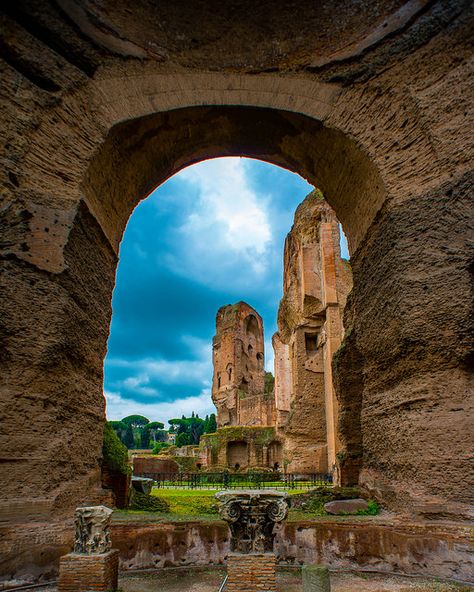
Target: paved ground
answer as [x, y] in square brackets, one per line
[208, 580]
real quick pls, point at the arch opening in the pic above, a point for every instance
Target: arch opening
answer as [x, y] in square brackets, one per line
[140, 154]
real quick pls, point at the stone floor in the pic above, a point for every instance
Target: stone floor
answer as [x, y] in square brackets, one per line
[209, 580]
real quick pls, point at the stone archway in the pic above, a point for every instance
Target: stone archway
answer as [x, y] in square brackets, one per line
[380, 128]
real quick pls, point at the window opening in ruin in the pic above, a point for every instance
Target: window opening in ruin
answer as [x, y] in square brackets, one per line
[252, 326]
[237, 454]
[218, 380]
[229, 373]
[244, 385]
[250, 350]
[311, 342]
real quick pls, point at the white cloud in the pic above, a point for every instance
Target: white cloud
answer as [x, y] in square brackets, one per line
[142, 372]
[229, 226]
[138, 385]
[118, 407]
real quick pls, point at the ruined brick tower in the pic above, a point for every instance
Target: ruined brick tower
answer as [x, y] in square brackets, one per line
[239, 375]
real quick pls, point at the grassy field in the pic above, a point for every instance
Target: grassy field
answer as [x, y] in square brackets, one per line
[200, 504]
[191, 502]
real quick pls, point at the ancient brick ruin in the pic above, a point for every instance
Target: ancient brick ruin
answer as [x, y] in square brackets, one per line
[104, 101]
[302, 408]
[315, 287]
[238, 384]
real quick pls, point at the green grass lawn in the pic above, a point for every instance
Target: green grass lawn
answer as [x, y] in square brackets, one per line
[191, 502]
[200, 504]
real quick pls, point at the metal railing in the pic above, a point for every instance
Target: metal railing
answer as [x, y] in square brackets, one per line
[225, 480]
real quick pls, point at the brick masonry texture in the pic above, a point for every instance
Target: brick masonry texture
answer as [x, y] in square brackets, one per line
[251, 573]
[88, 573]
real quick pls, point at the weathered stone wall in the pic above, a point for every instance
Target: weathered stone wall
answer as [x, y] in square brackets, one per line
[424, 548]
[315, 287]
[247, 573]
[101, 103]
[419, 548]
[239, 368]
[283, 379]
[82, 573]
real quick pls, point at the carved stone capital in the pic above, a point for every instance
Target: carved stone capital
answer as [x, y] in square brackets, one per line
[92, 530]
[251, 516]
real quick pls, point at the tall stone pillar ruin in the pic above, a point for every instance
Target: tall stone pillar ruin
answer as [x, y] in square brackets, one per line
[315, 288]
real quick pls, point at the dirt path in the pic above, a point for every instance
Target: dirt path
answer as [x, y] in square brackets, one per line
[209, 580]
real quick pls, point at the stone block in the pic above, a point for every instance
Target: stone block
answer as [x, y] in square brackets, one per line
[316, 578]
[349, 506]
[89, 573]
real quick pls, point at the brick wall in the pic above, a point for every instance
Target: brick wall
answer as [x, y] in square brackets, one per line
[88, 573]
[255, 572]
[144, 465]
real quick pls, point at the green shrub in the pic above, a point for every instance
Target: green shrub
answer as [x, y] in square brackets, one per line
[372, 510]
[160, 446]
[147, 503]
[114, 452]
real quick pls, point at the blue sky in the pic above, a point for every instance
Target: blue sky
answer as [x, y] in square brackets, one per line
[211, 235]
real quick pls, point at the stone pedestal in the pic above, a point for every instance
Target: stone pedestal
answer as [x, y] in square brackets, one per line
[254, 572]
[86, 573]
[252, 516]
[93, 565]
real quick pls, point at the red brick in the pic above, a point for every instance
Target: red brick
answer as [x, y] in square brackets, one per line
[86, 573]
[252, 572]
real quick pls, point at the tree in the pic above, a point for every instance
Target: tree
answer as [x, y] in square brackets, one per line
[136, 421]
[212, 425]
[119, 428]
[193, 427]
[129, 439]
[182, 439]
[151, 432]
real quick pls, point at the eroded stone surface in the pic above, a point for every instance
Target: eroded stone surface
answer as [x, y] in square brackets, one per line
[239, 368]
[88, 132]
[315, 287]
[92, 530]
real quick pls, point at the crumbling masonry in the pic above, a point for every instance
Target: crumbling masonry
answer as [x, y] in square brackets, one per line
[303, 407]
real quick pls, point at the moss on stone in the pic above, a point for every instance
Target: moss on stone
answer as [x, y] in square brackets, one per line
[148, 503]
[114, 452]
[186, 464]
[260, 435]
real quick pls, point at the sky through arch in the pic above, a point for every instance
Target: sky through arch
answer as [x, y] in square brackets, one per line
[211, 235]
